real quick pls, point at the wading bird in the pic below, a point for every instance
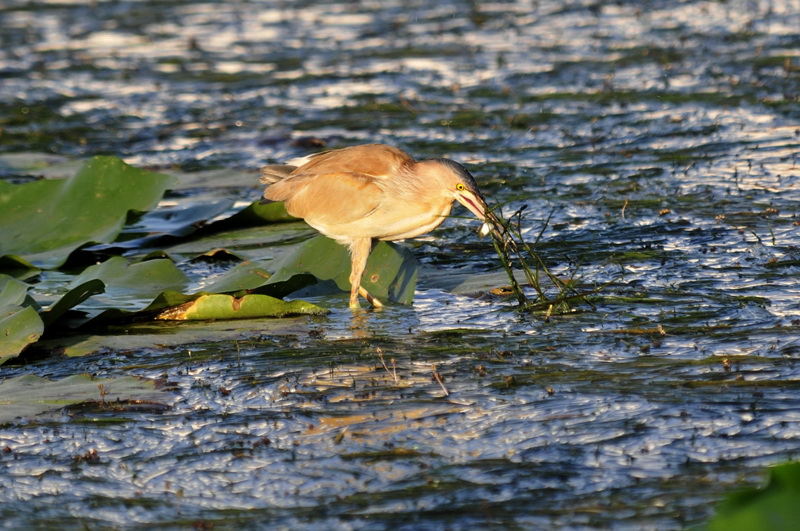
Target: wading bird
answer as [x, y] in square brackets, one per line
[372, 192]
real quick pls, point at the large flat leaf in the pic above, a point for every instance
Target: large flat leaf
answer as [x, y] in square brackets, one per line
[217, 306]
[28, 396]
[391, 272]
[12, 291]
[127, 288]
[144, 335]
[126, 281]
[20, 324]
[245, 276]
[19, 327]
[72, 298]
[772, 507]
[254, 243]
[174, 219]
[42, 222]
[256, 214]
[214, 205]
[150, 288]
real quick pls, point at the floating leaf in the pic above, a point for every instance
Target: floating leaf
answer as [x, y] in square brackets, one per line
[42, 222]
[772, 507]
[182, 218]
[20, 325]
[129, 287]
[72, 298]
[178, 219]
[29, 395]
[159, 335]
[321, 257]
[12, 291]
[391, 272]
[142, 280]
[254, 243]
[217, 255]
[217, 306]
[16, 265]
[245, 276]
[168, 299]
[256, 214]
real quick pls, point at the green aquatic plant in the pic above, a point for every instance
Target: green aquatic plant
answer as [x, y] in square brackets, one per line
[773, 506]
[45, 221]
[516, 253]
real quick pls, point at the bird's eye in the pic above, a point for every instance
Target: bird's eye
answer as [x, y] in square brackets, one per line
[460, 187]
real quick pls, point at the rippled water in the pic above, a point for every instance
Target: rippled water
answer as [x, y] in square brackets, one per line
[663, 138]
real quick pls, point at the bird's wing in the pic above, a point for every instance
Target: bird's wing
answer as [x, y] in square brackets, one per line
[377, 160]
[329, 198]
[276, 172]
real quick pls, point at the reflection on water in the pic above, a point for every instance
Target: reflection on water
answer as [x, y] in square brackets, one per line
[661, 137]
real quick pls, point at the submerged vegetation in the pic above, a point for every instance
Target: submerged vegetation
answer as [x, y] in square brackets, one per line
[513, 250]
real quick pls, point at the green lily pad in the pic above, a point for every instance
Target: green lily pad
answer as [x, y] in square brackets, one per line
[255, 214]
[141, 280]
[28, 396]
[12, 291]
[219, 306]
[143, 335]
[16, 265]
[72, 298]
[127, 288]
[44, 221]
[168, 299]
[177, 220]
[20, 324]
[217, 256]
[391, 272]
[772, 507]
[252, 243]
[245, 276]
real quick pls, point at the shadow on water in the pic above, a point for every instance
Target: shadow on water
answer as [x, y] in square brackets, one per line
[663, 138]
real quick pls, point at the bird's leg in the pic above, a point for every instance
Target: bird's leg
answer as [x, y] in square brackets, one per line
[372, 300]
[359, 252]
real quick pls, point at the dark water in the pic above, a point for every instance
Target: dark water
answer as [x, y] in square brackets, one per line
[662, 137]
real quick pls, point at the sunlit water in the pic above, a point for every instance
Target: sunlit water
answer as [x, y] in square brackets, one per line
[663, 139]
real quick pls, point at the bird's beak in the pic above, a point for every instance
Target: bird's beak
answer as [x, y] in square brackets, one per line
[477, 205]
[474, 203]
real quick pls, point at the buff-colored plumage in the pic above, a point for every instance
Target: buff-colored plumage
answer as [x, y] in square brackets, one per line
[372, 192]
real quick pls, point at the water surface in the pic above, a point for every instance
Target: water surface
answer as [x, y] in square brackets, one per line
[662, 137]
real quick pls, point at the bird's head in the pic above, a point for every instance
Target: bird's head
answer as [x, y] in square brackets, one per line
[461, 186]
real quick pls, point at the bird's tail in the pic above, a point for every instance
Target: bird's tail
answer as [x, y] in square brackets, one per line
[276, 172]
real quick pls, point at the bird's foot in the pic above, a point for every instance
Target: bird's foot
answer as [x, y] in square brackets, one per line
[364, 293]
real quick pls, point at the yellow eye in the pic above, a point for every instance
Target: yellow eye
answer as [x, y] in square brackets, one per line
[460, 187]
